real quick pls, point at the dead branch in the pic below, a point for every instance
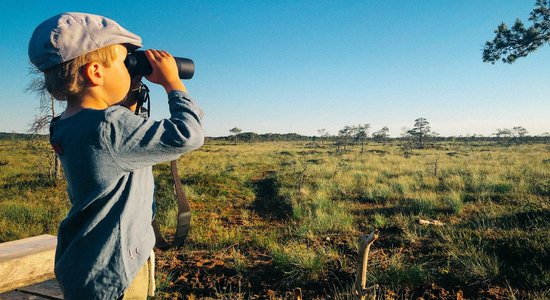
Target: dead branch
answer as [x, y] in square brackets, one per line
[364, 247]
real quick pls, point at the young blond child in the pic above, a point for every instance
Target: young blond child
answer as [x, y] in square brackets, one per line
[105, 242]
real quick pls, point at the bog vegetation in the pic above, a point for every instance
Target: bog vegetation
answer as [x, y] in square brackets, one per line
[272, 216]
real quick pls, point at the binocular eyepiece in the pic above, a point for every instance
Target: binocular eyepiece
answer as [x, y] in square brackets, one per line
[138, 65]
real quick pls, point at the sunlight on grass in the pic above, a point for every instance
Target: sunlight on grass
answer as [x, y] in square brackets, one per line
[299, 207]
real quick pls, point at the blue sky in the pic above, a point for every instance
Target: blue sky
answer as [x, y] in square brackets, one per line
[300, 66]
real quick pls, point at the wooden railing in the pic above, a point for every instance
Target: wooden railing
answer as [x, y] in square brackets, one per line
[26, 269]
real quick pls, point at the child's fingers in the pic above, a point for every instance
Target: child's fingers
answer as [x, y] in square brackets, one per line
[163, 66]
[157, 55]
[161, 54]
[153, 54]
[150, 55]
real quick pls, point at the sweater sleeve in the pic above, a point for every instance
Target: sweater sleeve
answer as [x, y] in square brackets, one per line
[135, 142]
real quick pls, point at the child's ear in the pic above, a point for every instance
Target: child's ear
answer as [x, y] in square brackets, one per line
[93, 73]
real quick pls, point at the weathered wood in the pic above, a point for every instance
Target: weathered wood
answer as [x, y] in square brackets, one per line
[364, 247]
[44, 290]
[26, 262]
[15, 295]
[49, 288]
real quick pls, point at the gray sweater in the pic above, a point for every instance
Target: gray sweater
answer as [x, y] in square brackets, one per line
[107, 156]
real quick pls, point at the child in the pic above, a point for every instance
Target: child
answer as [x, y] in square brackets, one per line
[107, 152]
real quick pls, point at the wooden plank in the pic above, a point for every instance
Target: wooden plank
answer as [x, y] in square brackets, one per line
[27, 261]
[15, 295]
[48, 288]
[23, 247]
[44, 290]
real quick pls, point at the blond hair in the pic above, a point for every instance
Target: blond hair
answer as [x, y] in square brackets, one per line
[65, 80]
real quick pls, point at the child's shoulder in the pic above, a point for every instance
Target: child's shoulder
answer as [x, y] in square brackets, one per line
[120, 116]
[118, 112]
[88, 119]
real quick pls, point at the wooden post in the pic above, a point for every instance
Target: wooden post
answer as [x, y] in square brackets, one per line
[27, 261]
[364, 247]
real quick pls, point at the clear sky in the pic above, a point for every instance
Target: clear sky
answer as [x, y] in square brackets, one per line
[300, 66]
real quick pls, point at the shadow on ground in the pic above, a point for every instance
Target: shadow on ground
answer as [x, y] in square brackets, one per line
[268, 203]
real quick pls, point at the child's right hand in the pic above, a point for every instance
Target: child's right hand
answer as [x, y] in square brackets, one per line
[165, 71]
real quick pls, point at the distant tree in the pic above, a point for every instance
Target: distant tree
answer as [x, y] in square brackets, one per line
[361, 133]
[322, 134]
[326, 135]
[545, 134]
[381, 135]
[235, 131]
[503, 133]
[510, 44]
[406, 142]
[519, 131]
[420, 131]
[344, 136]
[248, 136]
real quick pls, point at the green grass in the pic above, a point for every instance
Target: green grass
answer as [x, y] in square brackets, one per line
[299, 263]
[291, 212]
[30, 202]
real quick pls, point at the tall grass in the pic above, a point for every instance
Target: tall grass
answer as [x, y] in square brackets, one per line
[303, 206]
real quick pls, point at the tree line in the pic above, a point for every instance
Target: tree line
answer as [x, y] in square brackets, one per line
[418, 136]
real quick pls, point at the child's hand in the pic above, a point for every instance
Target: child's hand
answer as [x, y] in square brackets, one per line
[165, 71]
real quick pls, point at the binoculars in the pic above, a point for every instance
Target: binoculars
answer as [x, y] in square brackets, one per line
[138, 65]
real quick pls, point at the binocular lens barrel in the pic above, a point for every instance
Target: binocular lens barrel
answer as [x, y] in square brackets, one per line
[138, 65]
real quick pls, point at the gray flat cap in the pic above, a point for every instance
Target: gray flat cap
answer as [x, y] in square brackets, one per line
[69, 35]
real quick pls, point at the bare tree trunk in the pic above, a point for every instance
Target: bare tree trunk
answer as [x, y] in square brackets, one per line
[57, 167]
[56, 163]
[42, 121]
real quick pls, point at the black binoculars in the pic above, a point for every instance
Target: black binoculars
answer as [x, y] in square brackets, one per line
[138, 65]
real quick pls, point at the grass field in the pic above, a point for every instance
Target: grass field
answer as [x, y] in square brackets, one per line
[270, 217]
